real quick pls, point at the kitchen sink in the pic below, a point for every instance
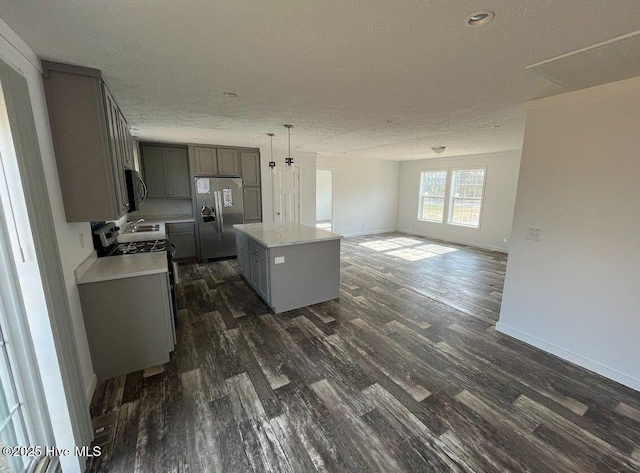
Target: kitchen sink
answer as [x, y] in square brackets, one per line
[147, 227]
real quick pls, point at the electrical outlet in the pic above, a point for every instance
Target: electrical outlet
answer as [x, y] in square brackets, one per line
[81, 240]
[534, 234]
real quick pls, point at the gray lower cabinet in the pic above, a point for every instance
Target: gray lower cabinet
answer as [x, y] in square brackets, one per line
[166, 171]
[129, 323]
[293, 276]
[184, 237]
[92, 142]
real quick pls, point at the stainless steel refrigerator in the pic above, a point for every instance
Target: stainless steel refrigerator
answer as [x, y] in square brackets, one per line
[218, 208]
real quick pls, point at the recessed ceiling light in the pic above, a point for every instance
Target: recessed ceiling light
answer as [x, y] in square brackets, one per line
[480, 18]
[389, 121]
[439, 149]
[230, 94]
[496, 126]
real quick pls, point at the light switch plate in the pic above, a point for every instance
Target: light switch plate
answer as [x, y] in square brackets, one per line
[279, 260]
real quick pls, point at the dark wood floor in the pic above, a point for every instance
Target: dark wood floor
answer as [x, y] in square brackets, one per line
[404, 373]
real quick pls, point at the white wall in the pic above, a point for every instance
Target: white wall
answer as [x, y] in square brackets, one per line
[498, 204]
[306, 163]
[17, 54]
[365, 195]
[324, 183]
[575, 293]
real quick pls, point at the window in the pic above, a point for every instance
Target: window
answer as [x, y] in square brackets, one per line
[466, 197]
[432, 196]
[457, 194]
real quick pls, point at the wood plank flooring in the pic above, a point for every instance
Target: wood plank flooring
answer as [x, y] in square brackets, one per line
[404, 373]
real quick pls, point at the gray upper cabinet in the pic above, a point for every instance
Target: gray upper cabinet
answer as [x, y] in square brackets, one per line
[228, 162]
[205, 161]
[166, 171]
[91, 141]
[250, 166]
[252, 201]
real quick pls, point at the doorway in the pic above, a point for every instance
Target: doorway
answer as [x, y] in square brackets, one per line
[324, 199]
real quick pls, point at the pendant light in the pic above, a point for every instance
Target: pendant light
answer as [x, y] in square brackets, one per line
[272, 163]
[289, 160]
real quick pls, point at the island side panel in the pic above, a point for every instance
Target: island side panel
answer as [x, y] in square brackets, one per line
[310, 274]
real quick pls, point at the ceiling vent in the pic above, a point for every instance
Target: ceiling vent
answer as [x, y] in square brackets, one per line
[611, 61]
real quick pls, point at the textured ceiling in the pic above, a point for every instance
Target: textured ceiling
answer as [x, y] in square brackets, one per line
[336, 69]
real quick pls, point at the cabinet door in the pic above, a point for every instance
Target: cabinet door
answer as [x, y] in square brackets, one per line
[177, 165]
[117, 157]
[125, 136]
[252, 201]
[154, 173]
[263, 287]
[255, 272]
[228, 162]
[206, 162]
[185, 245]
[250, 167]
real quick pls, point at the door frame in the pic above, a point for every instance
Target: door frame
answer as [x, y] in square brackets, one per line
[333, 194]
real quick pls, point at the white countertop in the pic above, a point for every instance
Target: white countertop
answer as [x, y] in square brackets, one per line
[285, 234]
[125, 266]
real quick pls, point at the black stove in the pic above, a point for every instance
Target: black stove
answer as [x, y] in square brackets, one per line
[133, 247]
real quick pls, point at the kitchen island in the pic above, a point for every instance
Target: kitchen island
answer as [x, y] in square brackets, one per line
[289, 265]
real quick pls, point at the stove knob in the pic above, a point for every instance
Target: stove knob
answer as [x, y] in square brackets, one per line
[116, 229]
[108, 235]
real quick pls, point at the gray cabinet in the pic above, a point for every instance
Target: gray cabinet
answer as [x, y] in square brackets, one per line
[91, 141]
[259, 269]
[291, 276]
[242, 244]
[206, 162]
[135, 333]
[166, 171]
[184, 237]
[228, 162]
[250, 167]
[252, 204]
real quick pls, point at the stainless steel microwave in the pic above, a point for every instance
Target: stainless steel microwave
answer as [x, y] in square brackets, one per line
[136, 189]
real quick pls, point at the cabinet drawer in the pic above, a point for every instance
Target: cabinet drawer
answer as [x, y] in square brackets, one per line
[180, 228]
[258, 250]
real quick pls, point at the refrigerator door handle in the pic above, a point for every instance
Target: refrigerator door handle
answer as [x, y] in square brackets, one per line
[216, 195]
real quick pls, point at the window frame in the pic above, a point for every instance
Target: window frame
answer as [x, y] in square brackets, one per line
[446, 193]
[448, 198]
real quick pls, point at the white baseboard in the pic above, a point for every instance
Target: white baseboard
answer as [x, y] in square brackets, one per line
[371, 232]
[453, 240]
[91, 387]
[591, 365]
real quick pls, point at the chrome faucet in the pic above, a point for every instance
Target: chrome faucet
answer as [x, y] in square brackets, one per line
[133, 224]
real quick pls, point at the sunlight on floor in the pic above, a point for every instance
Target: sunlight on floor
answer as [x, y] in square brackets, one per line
[404, 248]
[324, 225]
